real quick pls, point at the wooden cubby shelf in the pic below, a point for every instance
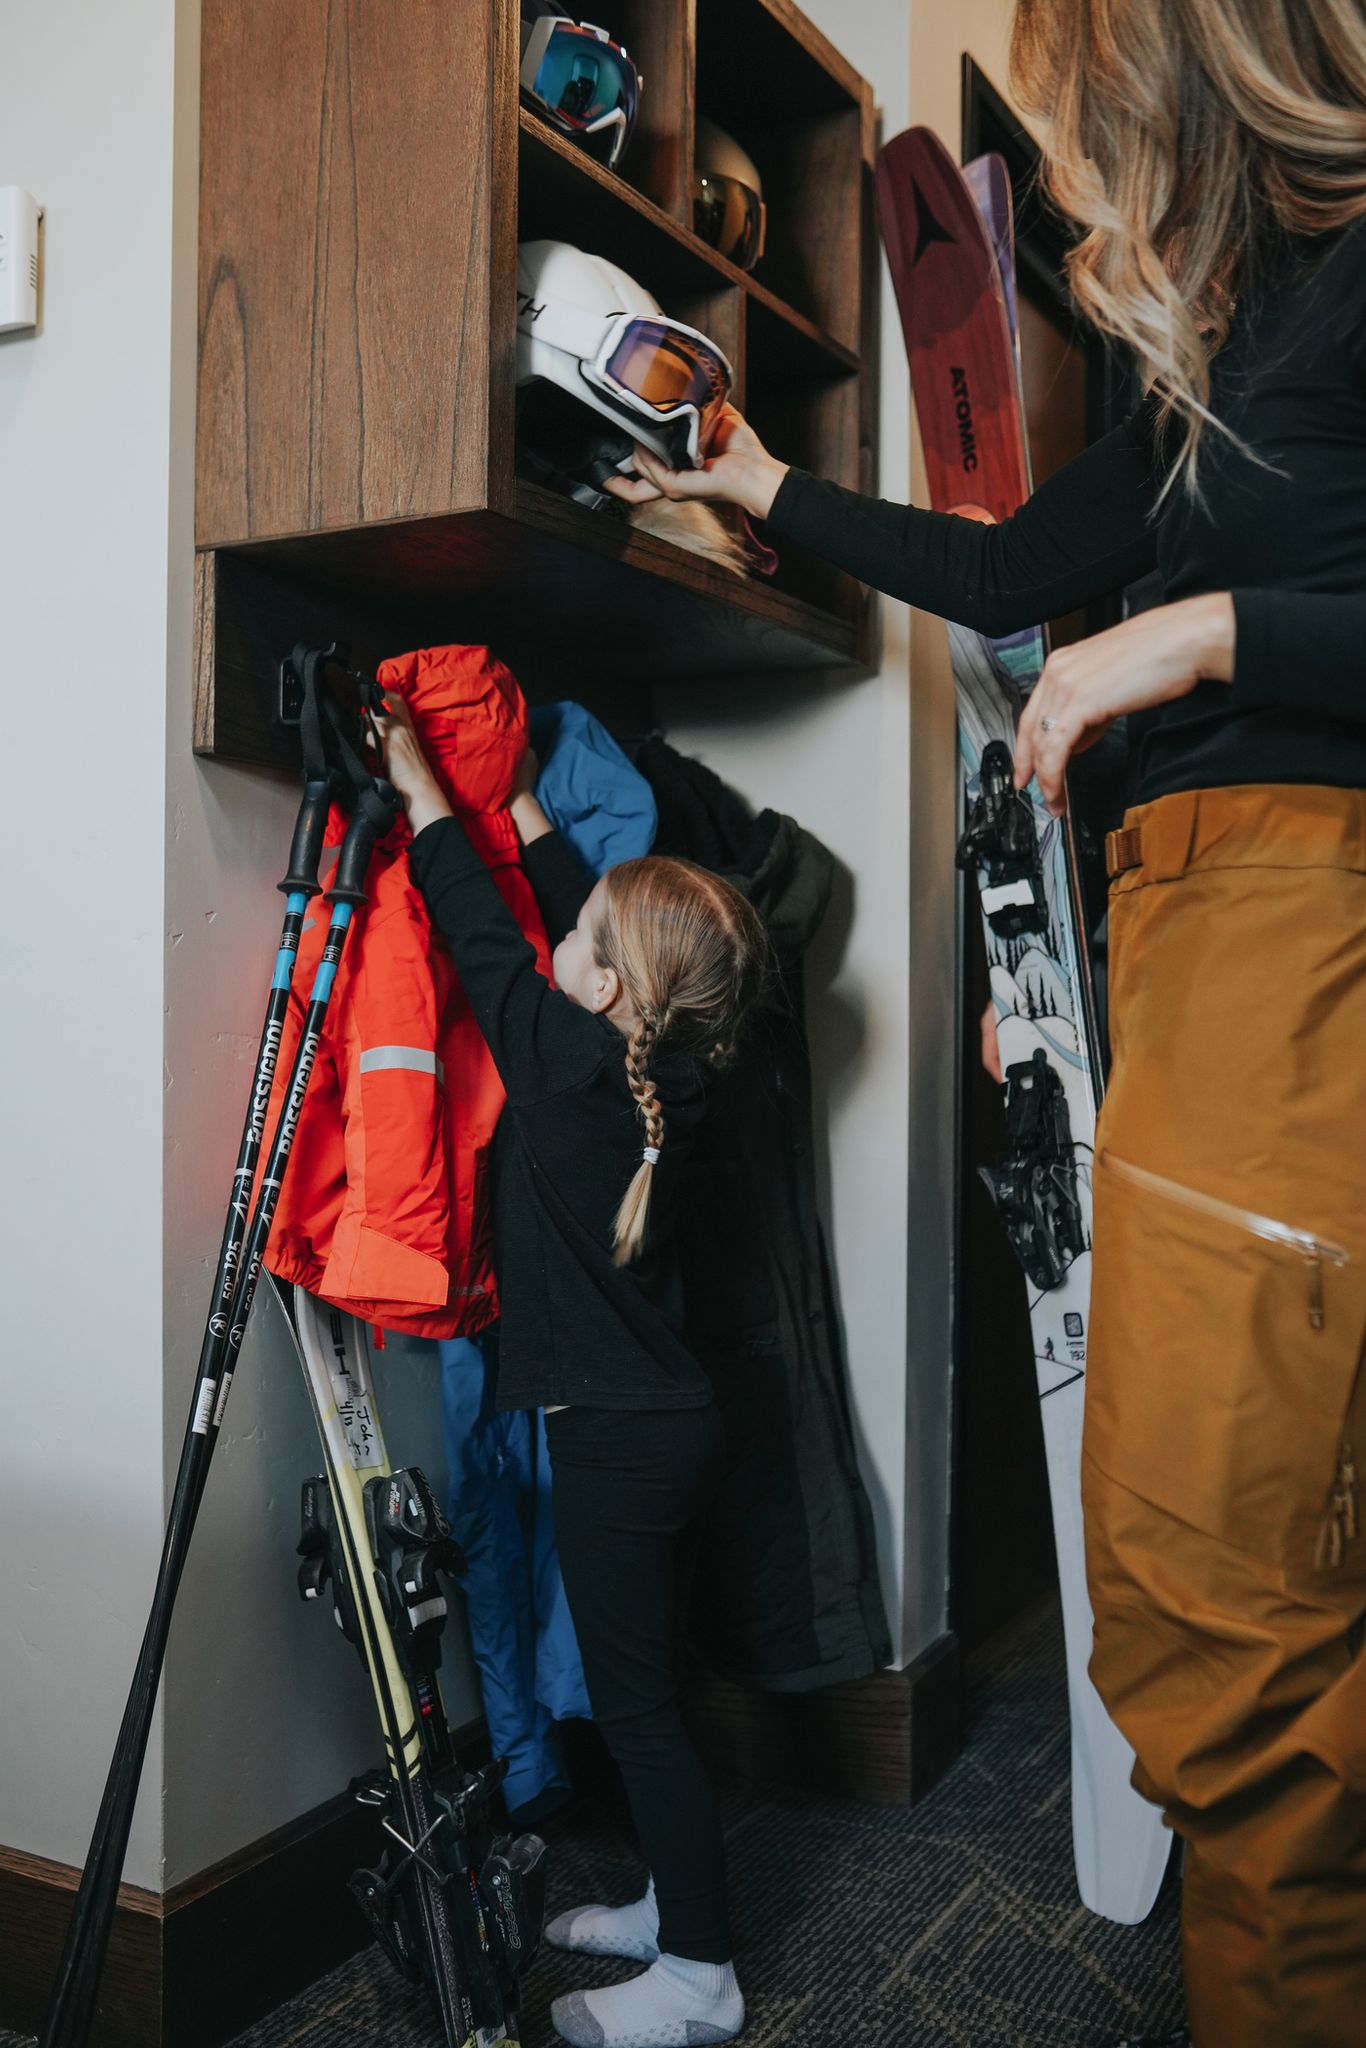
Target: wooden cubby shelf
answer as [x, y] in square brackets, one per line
[356, 474]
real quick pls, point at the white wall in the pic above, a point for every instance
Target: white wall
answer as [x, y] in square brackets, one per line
[139, 925]
[84, 438]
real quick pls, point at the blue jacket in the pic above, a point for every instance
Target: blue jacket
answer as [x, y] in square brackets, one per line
[588, 789]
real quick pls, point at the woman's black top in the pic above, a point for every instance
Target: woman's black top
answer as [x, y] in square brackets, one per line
[1283, 529]
[576, 1329]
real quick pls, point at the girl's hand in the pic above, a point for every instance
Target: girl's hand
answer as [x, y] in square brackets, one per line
[527, 815]
[528, 775]
[1151, 659]
[738, 471]
[405, 764]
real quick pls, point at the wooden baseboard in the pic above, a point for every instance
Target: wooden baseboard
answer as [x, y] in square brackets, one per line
[194, 1966]
[36, 1897]
[884, 1739]
[175, 1975]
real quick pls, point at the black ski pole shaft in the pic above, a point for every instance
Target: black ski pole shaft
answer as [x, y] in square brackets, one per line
[71, 2011]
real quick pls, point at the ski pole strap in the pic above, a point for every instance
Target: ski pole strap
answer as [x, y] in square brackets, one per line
[308, 664]
[329, 735]
[352, 768]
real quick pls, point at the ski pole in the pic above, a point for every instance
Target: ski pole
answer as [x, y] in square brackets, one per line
[71, 2011]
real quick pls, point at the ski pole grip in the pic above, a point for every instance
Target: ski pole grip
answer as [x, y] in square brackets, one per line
[309, 832]
[376, 809]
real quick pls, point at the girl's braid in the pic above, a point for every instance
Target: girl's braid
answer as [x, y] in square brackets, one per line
[639, 1047]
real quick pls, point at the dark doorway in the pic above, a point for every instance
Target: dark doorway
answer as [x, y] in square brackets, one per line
[1075, 390]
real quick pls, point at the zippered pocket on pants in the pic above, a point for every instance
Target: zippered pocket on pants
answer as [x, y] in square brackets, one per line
[1224, 1353]
[1315, 1251]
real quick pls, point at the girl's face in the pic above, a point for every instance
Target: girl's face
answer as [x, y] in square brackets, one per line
[576, 968]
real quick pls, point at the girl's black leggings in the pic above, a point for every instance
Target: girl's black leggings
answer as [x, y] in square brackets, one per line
[630, 1490]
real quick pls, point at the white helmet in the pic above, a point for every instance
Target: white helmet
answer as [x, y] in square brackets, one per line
[586, 326]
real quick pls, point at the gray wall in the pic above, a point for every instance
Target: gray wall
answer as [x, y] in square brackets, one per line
[869, 767]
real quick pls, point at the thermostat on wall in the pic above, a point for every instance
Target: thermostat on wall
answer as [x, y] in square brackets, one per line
[19, 216]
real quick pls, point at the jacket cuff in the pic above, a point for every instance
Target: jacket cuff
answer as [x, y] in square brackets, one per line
[366, 1266]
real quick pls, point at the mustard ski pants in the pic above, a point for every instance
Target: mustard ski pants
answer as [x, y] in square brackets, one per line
[1226, 1407]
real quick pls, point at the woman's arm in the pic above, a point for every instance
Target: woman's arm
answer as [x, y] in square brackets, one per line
[1301, 650]
[1086, 531]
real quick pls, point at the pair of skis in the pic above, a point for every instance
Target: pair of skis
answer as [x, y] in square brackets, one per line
[950, 246]
[425, 1898]
[455, 1907]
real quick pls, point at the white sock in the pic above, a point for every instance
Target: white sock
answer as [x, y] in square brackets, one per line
[675, 2004]
[631, 1931]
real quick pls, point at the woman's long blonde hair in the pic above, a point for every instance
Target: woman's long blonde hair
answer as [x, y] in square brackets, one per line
[691, 955]
[1182, 135]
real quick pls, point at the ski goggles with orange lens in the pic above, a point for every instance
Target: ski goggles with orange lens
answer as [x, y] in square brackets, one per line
[583, 82]
[731, 216]
[669, 377]
[669, 371]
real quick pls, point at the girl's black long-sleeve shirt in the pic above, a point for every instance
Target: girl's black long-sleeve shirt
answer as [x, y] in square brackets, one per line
[1283, 529]
[576, 1328]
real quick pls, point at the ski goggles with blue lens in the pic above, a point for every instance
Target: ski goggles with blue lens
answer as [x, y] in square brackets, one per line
[583, 82]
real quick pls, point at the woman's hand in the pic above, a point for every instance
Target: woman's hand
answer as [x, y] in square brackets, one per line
[1151, 659]
[405, 764]
[738, 471]
[991, 1044]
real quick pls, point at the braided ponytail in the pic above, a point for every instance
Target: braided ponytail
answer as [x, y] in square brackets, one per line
[691, 955]
[628, 1231]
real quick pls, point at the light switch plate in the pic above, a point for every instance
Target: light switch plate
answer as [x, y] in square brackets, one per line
[19, 216]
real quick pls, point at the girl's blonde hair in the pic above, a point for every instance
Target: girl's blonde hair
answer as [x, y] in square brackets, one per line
[1183, 135]
[691, 956]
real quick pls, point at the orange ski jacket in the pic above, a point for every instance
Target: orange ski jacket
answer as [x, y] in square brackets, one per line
[385, 1210]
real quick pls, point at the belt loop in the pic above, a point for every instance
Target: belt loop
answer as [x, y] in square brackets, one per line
[1169, 835]
[1123, 850]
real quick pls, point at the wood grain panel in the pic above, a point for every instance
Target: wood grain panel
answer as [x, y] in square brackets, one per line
[885, 1739]
[346, 217]
[566, 195]
[659, 38]
[365, 178]
[36, 1897]
[420, 583]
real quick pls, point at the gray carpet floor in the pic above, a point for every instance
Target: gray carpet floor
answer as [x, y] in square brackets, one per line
[953, 1925]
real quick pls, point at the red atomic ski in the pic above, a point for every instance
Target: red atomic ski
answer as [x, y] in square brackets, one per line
[955, 295]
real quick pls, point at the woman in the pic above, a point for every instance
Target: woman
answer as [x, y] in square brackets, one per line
[1214, 152]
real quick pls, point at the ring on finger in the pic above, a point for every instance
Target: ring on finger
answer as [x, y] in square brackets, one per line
[1048, 724]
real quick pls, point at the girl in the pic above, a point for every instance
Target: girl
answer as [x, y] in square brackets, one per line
[1214, 154]
[655, 967]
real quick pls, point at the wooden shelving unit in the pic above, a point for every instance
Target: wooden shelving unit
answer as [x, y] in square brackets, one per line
[367, 173]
